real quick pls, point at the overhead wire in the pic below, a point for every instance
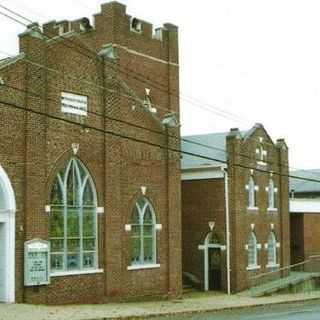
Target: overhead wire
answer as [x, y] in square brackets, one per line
[179, 139]
[165, 147]
[50, 69]
[142, 79]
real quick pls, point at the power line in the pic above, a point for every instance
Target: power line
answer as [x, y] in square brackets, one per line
[166, 147]
[218, 112]
[15, 13]
[97, 58]
[186, 140]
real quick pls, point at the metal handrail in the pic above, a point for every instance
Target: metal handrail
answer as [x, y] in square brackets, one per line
[283, 268]
[283, 272]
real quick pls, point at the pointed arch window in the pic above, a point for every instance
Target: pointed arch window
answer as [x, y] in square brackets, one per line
[252, 193]
[73, 219]
[272, 195]
[272, 249]
[252, 250]
[143, 233]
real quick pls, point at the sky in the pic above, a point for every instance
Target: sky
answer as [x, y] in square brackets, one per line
[241, 62]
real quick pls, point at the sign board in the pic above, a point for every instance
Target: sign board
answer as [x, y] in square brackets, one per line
[74, 104]
[36, 263]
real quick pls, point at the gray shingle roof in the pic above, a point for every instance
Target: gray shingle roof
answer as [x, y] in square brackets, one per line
[211, 145]
[299, 185]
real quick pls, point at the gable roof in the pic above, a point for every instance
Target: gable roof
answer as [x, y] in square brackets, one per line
[10, 60]
[211, 145]
[301, 186]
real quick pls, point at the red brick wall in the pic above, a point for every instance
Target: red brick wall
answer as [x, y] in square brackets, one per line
[311, 225]
[34, 147]
[202, 201]
[242, 159]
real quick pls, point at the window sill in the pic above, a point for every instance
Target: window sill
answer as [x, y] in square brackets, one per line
[261, 163]
[143, 266]
[252, 268]
[270, 266]
[272, 210]
[252, 208]
[75, 272]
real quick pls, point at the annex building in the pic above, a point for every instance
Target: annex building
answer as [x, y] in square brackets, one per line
[235, 208]
[90, 207]
[305, 215]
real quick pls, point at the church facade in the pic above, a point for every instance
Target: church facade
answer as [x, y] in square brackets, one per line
[89, 182]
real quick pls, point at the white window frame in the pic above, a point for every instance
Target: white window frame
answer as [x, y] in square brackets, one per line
[272, 196]
[142, 264]
[253, 265]
[63, 187]
[252, 194]
[272, 262]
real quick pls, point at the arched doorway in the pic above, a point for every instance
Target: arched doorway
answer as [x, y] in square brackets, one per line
[212, 261]
[7, 239]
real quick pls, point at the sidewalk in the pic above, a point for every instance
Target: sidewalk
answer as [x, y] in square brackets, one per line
[194, 303]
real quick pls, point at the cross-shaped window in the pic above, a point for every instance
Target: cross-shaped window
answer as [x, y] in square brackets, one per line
[261, 153]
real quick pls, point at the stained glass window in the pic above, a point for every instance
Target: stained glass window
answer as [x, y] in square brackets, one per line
[143, 234]
[73, 220]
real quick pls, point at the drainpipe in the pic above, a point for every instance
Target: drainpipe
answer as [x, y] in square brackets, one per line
[226, 191]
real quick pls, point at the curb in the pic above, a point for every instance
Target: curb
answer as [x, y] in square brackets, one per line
[207, 310]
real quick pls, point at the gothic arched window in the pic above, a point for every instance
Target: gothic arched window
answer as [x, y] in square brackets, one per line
[272, 249]
[143, 233]
[73, 219]
[252, 188]
[272, 195]
[252, 250]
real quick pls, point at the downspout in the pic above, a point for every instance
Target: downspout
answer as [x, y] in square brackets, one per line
[226, 191]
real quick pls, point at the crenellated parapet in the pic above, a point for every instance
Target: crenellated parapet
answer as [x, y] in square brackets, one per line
[113, 25]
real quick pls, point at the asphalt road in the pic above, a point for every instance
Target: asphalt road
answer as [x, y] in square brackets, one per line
[298, 311]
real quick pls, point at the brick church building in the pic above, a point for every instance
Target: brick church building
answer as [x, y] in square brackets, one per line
[88, 178]
[235, 208]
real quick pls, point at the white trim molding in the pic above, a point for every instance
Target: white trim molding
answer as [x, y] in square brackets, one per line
[305, 205]
[203, 173]
[100, 210]
[270, 266]
[253, 268]
[76, 272]
[252, 208]
[7, 216]
[134, 52]
[143, 266]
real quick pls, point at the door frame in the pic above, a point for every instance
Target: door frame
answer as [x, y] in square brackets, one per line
[205, 248]
[7, 217]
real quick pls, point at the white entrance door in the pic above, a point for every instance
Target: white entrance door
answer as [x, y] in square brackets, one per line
[3, 263]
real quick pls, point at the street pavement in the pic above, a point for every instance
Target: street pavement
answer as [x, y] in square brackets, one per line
[191, 304]
[296, 311]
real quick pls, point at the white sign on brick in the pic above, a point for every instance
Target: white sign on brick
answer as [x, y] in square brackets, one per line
[74, 104]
